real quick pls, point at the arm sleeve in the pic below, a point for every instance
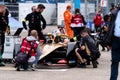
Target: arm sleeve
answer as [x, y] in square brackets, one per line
[39, 51]
[44, 22]
[27, 17]
[83, 20]
[67, 17]
[72, 19]
[24, 21]
[24, 25]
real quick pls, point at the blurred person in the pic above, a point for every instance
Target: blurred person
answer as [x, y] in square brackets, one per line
[86, 48]
[34, 22]
[33, 8]
[98, 21]
[32, 43]
[113, 41]
[67, 20]
[59, 30]
[92, 46]
[78, 22]
[6, 15]
[112, 7]
[3, 26]
[104, 31]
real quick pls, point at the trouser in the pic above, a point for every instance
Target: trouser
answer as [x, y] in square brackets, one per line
[40, 35]
[36, 60]
[69, 31]
[95, 56]
[2, 41]
[78, 30]
[25, 66]
[114, 70]
[102, 45]
[97, 28]
[115, 58]
[83, 54]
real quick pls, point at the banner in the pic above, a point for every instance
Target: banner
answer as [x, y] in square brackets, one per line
[103, 3]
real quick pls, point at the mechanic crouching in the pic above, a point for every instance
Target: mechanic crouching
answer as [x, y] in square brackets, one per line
[30, 45]
[87, 50]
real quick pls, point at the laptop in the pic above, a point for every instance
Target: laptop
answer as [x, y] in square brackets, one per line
[17, 33]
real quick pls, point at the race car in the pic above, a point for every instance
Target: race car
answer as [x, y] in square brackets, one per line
[58, 52]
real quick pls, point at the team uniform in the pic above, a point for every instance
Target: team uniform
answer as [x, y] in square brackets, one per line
[78, 24]
[35, 20]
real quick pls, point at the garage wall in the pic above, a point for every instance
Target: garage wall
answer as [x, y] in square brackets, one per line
[25, 8]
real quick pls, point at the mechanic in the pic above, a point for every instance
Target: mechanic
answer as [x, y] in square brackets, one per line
[34, 22]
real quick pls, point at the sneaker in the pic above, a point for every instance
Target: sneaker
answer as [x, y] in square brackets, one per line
[32, 67]
[94, 64]
[36, 66]
[97, 62]
[18, 68]
[82, 65]
[2, 64]
[88, 62]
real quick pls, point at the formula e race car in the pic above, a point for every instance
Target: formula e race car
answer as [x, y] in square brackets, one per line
[58, 52]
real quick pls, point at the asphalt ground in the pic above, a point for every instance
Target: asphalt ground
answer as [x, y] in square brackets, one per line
[101, 73]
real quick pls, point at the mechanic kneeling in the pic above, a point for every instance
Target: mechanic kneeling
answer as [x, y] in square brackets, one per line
[87, 43]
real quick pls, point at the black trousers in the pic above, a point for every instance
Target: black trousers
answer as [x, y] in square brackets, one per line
[2, 41]
[98, 28]
[40, 35]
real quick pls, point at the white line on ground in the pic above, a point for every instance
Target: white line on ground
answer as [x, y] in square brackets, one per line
[54, 70]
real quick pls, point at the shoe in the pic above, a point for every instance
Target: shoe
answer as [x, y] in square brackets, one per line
[37, 67]
[82, 65]
[32, 67]
[97, 62]
[2, 64]
[94, 64]
[15, 65]
[88, 62]
[18, 68]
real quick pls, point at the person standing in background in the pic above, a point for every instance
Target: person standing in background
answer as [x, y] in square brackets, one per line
[98, 21]
[115, 43]
[67, 20]
[78, 22]
[34, 22]
[112, 39]
[3, 26]
[33, 8]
